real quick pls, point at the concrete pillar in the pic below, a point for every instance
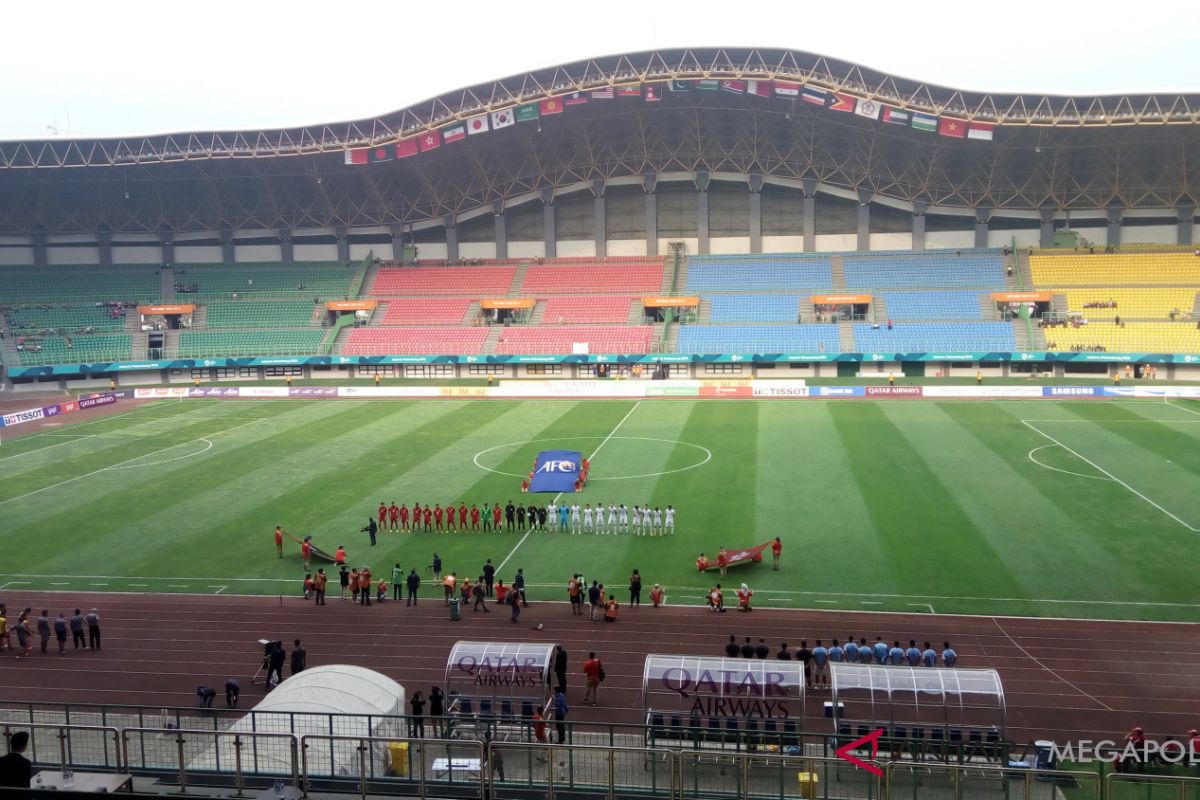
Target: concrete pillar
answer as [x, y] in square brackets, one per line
[501, 229]
[918, 225]
[600, 216]
[287, 251]
[755, 180]
[649, 182]
[983, 215]
[40, 257]
[343, 243]
[549, 228]
[810, 215]
[864, 219]
[451, 238]
[1047, 235]
[1113, 229]
[166, 240]
[227, 252]
[397, 233]
[104, 237]
[1186, 212]
[701, 179]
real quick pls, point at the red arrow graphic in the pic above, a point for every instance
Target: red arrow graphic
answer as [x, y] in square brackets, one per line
[873, 738]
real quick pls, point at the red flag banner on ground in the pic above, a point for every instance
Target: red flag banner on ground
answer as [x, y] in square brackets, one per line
[430, 141]
[980, 130]
[842, 102]
[747, 555]
[551, 105]
[406, 148]
[952, 127]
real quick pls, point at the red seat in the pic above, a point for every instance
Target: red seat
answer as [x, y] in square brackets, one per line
[477, 281]
[414, 341]
[558, 340]
[586, 309]
[594, 276]
[426, 311]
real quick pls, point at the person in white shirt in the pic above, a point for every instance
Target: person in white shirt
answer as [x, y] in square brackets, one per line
[637, 520]
[552, 515]
[670, 524]
[658, 521]
[624, 518]
[587, 518]
[575, 518]
[612, 518]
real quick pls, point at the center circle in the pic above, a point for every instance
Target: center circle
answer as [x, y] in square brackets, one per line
[707, 455]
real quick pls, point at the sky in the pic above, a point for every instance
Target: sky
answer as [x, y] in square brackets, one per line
[126, 67]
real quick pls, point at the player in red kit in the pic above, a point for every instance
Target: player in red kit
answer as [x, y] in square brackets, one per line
[437, 518]
[474, 517]
[427, 514]
[404, 518]
[450, 516]
[393, 516]
[496, 517]
[462, 515]
[383, 512]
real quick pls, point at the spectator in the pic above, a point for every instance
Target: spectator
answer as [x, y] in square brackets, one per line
[437, 709]
[299, 658]
[560, 716]
[233, 690]
[731, 647]
[804, 656]
[593, 672]
[761, 650]
[949, 657]
[15, 769]
[416, 726]
[784, 654]
[748, 649]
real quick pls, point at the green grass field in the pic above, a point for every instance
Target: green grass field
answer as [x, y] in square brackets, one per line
[882, 506]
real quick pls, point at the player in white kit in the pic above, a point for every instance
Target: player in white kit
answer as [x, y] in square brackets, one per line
[575, 518]
[612, 518]
[624, 512]
[637, 520]
[552, 515]
[587, 518]
[658, 521]
[670, 523]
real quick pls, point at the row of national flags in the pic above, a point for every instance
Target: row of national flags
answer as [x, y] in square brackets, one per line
[653, 93]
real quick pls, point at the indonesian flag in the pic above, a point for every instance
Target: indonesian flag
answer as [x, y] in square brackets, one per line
[980, 130]
[551, 105]
[454, 133]
[760, 88]
[952, 127]
[502, 119]
[787, 89]
[430, 141]
[842, 102]
[477, 125]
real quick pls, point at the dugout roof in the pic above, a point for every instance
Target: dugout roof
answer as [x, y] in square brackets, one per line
[947, 698]
[723, 687]
[496, 672]
[1048, 152]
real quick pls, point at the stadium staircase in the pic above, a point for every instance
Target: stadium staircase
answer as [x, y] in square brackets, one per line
[368, 282]
[1022, 335]
[170, 344]
[537, 313]
[1024, 274]
[837, 268]
[879, 310]
[846, 337]
[139, 346]
[200, 318]
[806, 310]
[473, 311]
[514, 288]
[680, 275]
[987, 308]
[167, 279]
[704, 313]
[493, 338]
[8, 351]
[339, 341]
[317, 318]
[1058, 304]
[132, 323]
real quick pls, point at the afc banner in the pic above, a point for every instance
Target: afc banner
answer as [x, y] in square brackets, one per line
[556, 471]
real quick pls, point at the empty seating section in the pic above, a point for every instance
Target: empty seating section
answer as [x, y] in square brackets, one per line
[426, 311]
[949, 304]
[258, 314]
[309, 279]
[1130, 302]
[558, 340]
[923, 271]
[68, 319]
[594, 276]
[257, 343]
[925, 337]
[82, 349]
[758, 339]
[83, 283]
[479, 281]
[586, 309]
[1134, 337]
[754, 308]
[1076, 269]
[415, 341]
[782, 272]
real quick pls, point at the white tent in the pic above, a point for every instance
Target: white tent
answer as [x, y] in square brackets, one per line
[337, 700]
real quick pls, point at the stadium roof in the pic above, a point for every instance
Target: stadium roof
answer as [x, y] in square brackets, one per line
[771, 113]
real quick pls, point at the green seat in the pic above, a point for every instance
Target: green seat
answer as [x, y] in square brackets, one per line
[82, 349]
[319, 278]
[67, 319]
[266, 342]
[81, 282]
[259, 314]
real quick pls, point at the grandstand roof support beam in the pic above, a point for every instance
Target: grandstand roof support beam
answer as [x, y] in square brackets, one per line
[1187, 213]
[810, 215]
[701, 179]
[451, 237]
[39, 248]
[1046, 239]
[755, 181]
[227, 249]
[549, 226]
[649, 182]
[599, 216]
[343, 243]
[397, 233]
[918, 225]
[1114, 212]
[287, 249]
[983, 215]
[166, 240]
[104, 239]
[501, 228]
[864, 219]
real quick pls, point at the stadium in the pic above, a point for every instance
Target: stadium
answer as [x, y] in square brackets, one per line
[944, 344]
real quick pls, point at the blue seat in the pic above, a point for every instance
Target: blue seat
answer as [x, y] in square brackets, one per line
[676, 726]
[937, 735]
[843, 730]
[656, 720]
[506, 708]
[714, 728]
[975, 737]
[899, 733]
[731, 728]
[526, 708]
[465, 706]
[863, 730]
[918, 732]
[993, 736]
[485, 707]
[771, 727]
[956, 735]
[791, 733]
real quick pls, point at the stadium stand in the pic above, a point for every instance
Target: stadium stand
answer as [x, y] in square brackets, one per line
[425, 311]
[479, 281]
[415, 341]
[758, 339]
[921, 271]
[594, 276]
[308, 279]
[1131, 269]
[559, 339]
[923, 337]
[74, 349]
[259, 314]
[65, 319]
[259, 342]
[586, 309]
[932, 305]
[754, 308]
[128, 282]
[780, 272]
[1130, 303]
[1132, 337]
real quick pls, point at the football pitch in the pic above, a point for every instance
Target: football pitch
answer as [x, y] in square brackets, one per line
[1047, 508]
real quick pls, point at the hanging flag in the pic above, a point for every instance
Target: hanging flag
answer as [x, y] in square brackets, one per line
[980, 130]
[575, 99]
[679, 86]
[452, 133]
[759, 88]
[430, 141]
[924, 122]
[527, 112]
[633, 90]
[477, 125]
[952, 127]
[406, 148]
[707, 86]
[551, 105]
[737, 87]
[603, 94]
[842, 102]
[502, 119]
[867, 108]
[895, 116]
[813, 95]
[787, 89]
[358, 156]
[652, 95]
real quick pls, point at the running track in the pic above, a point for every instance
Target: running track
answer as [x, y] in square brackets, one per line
[1062, 678]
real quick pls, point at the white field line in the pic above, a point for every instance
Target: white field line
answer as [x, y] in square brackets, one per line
[101, 419]
[1029, 455]
[1035, 660]
[1101, 469]
[1182, 408]
[922, 605]
[49, 447]
[121, 464]
[558, 496]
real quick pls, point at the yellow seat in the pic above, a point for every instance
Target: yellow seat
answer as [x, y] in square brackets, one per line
[808, 784]
[1134, 337]
[1158, 303]
[398, 754]
[1082, 269]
